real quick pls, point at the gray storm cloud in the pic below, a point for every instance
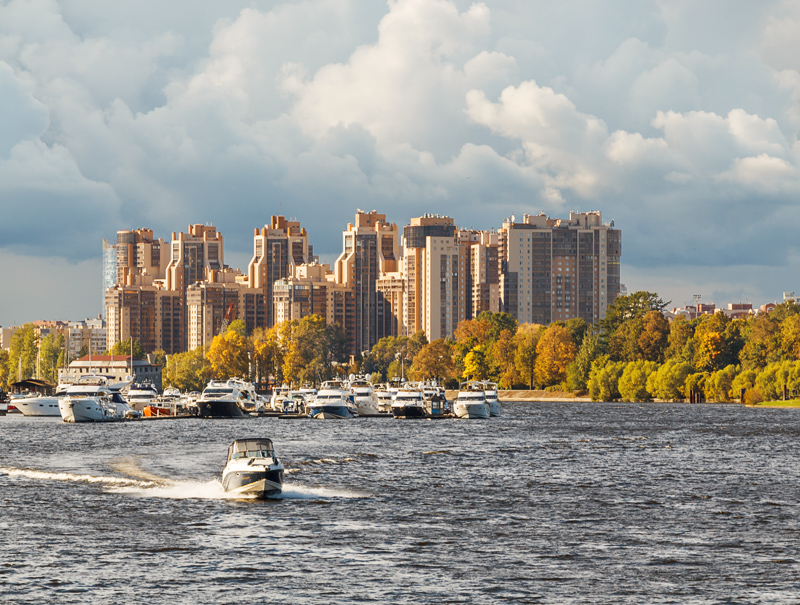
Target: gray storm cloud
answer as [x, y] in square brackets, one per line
[678, 120]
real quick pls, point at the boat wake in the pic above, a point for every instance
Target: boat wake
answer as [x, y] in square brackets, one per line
[146, 485]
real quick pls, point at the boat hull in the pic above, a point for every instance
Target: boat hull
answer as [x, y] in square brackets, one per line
[86, 410]
[331, 412]
[38, 406]
[494, 407]
[220, 408]
[408, 411]
[471, 410]
[253, 483]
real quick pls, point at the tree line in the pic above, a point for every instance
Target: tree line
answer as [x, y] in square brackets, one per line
[633, 354]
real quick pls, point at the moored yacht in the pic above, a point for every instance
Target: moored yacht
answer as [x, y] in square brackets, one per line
[409, 402]
[334, 400]
[385, 397]
[233, 398]
[91, 399]
[35, 404]
[492, 400]
[366, 399]
[141, 394]
[253, 470]
[279, 395]
[471, 401]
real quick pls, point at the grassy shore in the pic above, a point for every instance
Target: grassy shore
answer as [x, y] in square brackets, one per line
[789, 403]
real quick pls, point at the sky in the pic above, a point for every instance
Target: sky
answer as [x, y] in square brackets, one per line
[677, 119]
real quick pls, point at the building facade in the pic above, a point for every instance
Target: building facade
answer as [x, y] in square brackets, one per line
[557, 269]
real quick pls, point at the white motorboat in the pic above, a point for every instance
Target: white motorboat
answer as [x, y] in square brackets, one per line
[334, 400]
[436, 400]
[366, 398]
[492, 400]
[36, 404]
[253, 470]
[91, 399]
[385, 398]
[279, 395]
[471, 401]
[233, 398]
[141, 394]
[296, 403]
[409, 402]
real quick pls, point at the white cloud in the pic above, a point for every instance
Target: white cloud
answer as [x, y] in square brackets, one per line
[130, 114]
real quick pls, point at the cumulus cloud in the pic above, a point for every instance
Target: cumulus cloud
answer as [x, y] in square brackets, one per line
[129, 114]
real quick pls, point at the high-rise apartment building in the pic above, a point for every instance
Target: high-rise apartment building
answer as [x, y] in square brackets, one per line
[140, 258]
[370, 249]
[434, 264]
[109, 268]
[277, 249]
[559, 269]
[194, 256]
[154, 316]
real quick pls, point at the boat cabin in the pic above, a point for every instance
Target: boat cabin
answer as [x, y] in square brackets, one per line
[251, 448]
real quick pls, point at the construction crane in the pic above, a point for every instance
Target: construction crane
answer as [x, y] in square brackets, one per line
[227, 319]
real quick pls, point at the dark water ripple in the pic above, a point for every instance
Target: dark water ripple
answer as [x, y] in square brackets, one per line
[552, 503]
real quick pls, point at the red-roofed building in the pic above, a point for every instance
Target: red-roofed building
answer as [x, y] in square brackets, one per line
[115, 367]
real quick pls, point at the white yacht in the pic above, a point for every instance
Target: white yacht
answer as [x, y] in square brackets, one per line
[334, 400]
[36, 404]
[366, 398]
[141, 394]
[409, 402]
[492, 400]
[279, 395]
[385, 397]
[233, 398]
[471, 401]
[91, 399]
[253, 470]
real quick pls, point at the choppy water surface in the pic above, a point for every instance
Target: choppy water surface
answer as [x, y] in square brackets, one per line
[552, 503]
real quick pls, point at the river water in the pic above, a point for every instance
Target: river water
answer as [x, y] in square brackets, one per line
[551, 503]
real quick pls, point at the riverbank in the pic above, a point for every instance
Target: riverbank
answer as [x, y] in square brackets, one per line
[510, 396]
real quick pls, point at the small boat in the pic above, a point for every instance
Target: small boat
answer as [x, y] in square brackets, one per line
[471, 401]
[296, 404]
[233, 398]
[366, 399]
[334, 400]
[91, 399]
[436, 402]
[252, 469]
[409, 402]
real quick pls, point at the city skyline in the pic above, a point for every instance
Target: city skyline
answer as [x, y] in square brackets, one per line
[678, 122]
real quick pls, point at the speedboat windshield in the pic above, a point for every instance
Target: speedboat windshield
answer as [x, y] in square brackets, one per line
[251, 448]
[217, 391]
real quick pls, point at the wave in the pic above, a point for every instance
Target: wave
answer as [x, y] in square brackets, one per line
[182, 489]
[51, 476]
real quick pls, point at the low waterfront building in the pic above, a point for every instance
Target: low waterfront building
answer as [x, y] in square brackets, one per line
[115, 367]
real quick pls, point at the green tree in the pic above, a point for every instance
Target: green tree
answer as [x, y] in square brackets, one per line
[50, 350]
[762, 341]
[4, 368]
[632, 383]
[668, 382]
[578, 371]
[22, 353]
[790, 337]
[123, 347]
[187, 372]
[498, 322]
[625, 308]
[680, 340]
[604, 378]
[554, 351]
[695, 383]
[719, 385]
[525, 357]
[745, 380]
